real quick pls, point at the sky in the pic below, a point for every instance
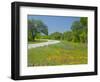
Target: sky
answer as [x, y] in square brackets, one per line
[56, 23]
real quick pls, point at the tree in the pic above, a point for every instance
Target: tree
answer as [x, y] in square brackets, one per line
[67, 35]
[76, 30]
[35, 27]
[38, 36]
[56, 36]
[84, 22]
[79, 30]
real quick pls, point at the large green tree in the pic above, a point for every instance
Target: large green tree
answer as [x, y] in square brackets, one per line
[84, 22]
[67, 36]
[79, 30]
[56, 36]
[35, 27]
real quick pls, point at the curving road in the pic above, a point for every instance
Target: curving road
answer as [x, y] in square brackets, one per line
[43, 44]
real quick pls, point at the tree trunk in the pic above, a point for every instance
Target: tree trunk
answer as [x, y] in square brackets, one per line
[33, 36]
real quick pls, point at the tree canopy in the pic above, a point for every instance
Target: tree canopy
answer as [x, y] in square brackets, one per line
[35, 27]
[79, 30]
[56, 36]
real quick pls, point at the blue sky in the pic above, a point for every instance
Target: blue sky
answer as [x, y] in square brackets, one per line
[56, 23]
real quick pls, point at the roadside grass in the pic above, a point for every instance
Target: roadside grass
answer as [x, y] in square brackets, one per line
[63, 53]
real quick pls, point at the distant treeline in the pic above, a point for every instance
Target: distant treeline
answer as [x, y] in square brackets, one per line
[78, 33]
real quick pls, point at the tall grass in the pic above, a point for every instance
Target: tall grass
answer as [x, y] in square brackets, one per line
[63, 53]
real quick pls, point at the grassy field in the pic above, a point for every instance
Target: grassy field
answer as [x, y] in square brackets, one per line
[63, 53]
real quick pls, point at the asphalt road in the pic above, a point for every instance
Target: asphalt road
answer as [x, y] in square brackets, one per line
[43, 44]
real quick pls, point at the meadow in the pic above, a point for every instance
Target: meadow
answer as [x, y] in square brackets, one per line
[63, 53]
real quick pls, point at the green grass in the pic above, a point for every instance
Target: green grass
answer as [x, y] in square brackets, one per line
[63, 53]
